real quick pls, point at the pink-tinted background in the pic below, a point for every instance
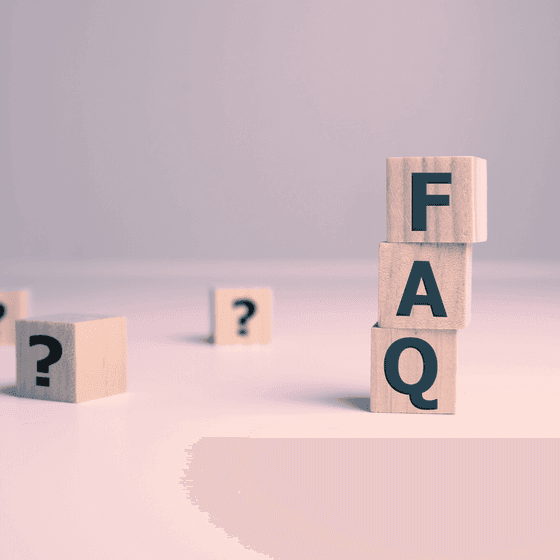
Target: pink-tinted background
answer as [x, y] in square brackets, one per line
[254, 129]
[436, 499]
[259, 130]
[248, 452]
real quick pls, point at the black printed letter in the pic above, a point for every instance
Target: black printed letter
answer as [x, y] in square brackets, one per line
[421, 270]
[421, 199]
[429, 372]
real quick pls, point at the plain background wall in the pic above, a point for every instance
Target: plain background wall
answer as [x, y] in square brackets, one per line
[259, 129]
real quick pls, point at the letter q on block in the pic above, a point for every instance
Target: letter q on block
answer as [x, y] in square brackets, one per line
[436, 199]
[242, 316]
[413, 370]
[71, 358]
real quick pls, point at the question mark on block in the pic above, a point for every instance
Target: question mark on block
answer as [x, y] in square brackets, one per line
[55, 353]
[250, 311]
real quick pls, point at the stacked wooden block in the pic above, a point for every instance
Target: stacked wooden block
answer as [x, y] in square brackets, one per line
[436, 208]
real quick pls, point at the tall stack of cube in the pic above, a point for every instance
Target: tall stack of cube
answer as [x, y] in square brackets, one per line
[436, 208]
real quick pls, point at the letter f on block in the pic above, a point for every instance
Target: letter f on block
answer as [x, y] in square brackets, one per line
[421, 199]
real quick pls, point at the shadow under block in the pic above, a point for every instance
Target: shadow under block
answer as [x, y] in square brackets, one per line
[13, 306]
[71, 358]
[242, 316]
[437, 275]
[463, 220]
[403, 365]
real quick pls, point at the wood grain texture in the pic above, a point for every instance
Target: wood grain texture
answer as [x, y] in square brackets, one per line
[384, 398]
[228, 317]
[451, 264]
[13, 306]
[463, 221]
[93, 363]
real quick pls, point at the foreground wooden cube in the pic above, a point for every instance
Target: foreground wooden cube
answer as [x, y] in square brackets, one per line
[13, 306]
[242, 316]
[71, 358]
[446, 206]
[413, 370]
[425, 285]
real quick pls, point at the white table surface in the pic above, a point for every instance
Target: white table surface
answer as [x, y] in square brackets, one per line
[285, 459]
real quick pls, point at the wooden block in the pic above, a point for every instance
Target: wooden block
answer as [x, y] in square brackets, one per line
[413, 370]
[13, 306]
[242, 316]
[436, 275]
[71, 358]
[451, 211]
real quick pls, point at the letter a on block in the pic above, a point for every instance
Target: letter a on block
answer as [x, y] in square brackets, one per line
[421, 271]
[413, 370]
[436, 200]
[445, 269]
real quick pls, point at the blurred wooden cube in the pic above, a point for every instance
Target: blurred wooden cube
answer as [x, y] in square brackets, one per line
[13, 306]
[242, 316]
[413, 370]
[451, 211]
[436, 275]
[71, 358]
